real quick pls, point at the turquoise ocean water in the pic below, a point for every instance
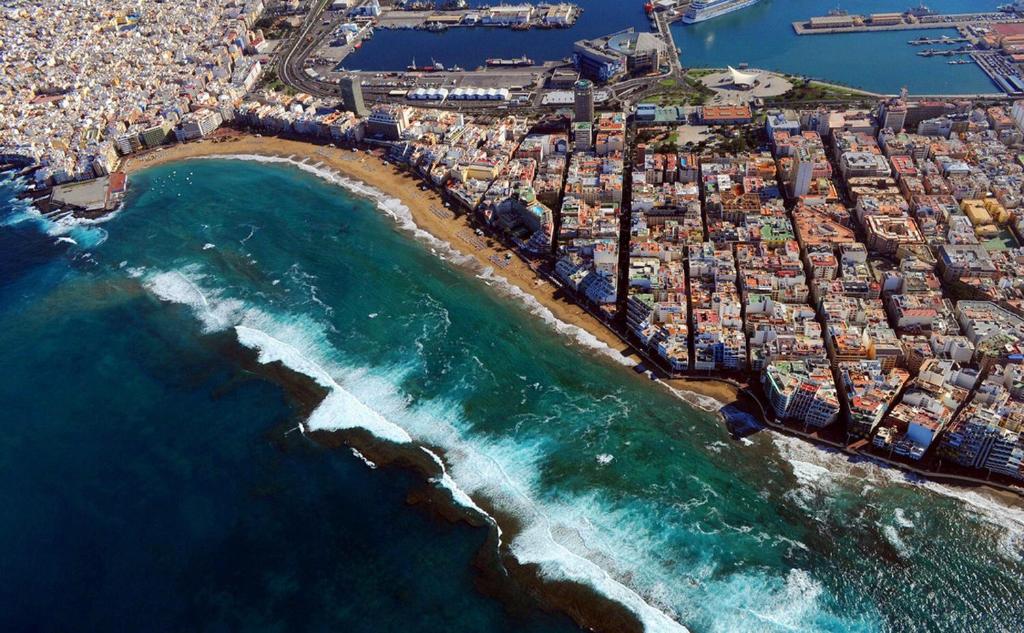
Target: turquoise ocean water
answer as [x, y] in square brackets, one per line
[151, 483]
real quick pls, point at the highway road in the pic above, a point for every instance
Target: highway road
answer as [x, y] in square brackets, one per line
[289, 66]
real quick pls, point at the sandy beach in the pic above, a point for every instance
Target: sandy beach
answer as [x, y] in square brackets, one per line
[422, 204]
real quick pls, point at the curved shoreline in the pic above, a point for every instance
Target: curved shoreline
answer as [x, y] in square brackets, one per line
[559, 579]
[585, 603]
[543, 298]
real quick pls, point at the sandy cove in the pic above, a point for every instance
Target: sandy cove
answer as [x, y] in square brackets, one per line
[395, 182]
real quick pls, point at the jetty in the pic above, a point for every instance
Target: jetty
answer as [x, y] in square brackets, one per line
[518, 17]
[826, 25]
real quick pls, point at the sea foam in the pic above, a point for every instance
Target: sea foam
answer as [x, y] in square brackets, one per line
[814, 467]
[80, 232]
[299, 344]
[402, 216]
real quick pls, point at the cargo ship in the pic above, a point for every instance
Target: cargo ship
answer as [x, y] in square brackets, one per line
[701, 10]
[516, 61]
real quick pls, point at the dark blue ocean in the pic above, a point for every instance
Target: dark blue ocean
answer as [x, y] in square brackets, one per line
[148, 483]
[153, 478]
[761, 36]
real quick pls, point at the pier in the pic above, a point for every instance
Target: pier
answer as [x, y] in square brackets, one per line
[923, 41]
[1003, 73]
[516, 17]
[946, 52]
[889, 22]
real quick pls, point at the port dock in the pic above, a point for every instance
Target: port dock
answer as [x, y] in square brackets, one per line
[515, 17]
[971, 44]
[828, 25]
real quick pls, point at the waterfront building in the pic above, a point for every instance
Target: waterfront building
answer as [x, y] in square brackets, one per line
[918, 111]
[156, 135]
[388, 122]
[802, 391]
[928, 405]
[371, 8]
[893, 113]
[831, 21]
[595, 61]
[868, 390]
[988, 437]
[988, 433]
[195, 125]
[643, 51]
[626, 51]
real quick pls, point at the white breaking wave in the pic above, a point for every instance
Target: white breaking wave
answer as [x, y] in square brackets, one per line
[901, 519]
[213, 311]
[458, 495]
[340, 410]
[823, 469]
[400, 213]
[558, 536]
[893, 536]
[299, 344]
[83, 232]
[706, 403]
[363, 459]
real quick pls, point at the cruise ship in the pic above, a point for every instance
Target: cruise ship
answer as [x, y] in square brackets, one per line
[701, 10]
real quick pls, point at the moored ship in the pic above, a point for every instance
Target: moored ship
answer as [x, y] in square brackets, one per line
[516, 61]
[701, 10]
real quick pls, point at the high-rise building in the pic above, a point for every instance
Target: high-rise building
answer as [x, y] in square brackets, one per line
[352, 95]
[893, 112]
[803, 170]
[584, 92]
